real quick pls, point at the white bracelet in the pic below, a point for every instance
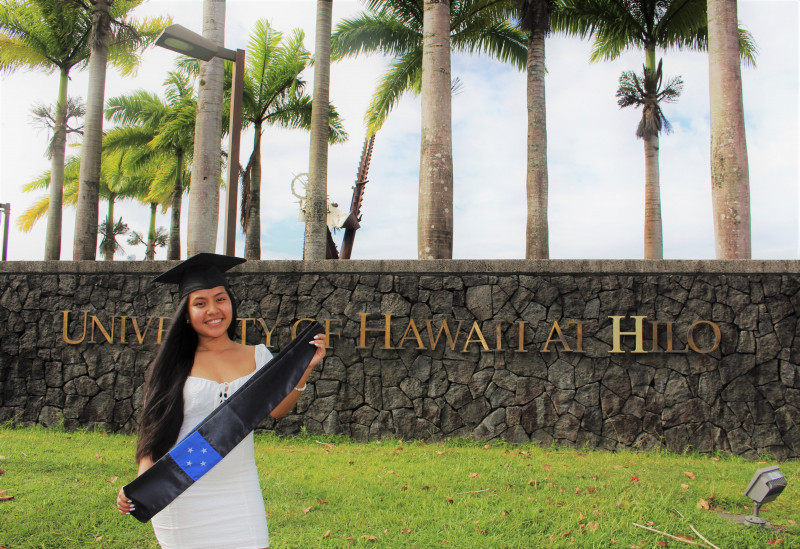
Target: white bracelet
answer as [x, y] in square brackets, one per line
[301, 389]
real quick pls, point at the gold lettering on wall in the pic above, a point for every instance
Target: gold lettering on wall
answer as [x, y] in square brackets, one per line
[451, 341]
[578, 335]
[244, 328]
[140, 335]
[521, 338]
[328, 333]
[557, 329]
[475, 330]
[96, 322]
[65, 328]
[717, 337]
[267, 332]
[413, 337]
[413, 328]
[387, 331]
[296, 324]
[618, 333]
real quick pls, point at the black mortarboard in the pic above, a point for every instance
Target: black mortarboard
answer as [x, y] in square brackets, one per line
[200, 272]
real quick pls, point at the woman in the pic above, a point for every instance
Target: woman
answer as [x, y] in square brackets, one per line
[197, 368]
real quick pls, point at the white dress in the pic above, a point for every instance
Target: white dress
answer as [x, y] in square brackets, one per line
[225, 507]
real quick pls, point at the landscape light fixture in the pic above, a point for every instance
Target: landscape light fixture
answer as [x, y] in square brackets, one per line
[180, 39]
[766, 485]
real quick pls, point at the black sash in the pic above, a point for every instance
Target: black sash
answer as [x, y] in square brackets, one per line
[223, 429]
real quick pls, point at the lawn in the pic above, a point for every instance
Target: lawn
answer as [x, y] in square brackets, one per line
[331, 492]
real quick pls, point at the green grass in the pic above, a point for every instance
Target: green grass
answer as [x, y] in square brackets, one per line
[404, 494]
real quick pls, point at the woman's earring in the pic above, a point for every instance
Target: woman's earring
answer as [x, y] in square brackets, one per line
[187, 321]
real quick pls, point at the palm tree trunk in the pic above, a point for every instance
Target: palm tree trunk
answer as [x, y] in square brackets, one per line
[52, 245]
[537, 234]
[314, 246]
[108, 250]
[435, 215]
[653, 239]
[150, 254]
[174, 246]
[252, 248]
[730, 179]
[86, 216]
[204, 188]
[653, 231]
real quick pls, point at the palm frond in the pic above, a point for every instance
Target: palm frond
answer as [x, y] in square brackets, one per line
[747, 48]
[645, 91]
[404, 74]
[502, 41]
[129, 37]
[408, 12]
[369, 34]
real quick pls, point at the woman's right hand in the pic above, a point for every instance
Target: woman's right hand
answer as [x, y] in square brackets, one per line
[124, 505]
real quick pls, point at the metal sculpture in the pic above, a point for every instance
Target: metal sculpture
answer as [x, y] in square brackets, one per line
[336, 218]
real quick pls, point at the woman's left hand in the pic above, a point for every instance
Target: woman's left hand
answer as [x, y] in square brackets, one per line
[319, 343]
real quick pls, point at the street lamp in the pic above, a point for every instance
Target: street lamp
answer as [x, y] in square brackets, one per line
[6, 209]
[180, 39]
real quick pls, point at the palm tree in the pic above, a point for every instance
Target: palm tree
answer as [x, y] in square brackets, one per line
[162, 135]
[41, 208]
[274, 95]
[111, 30]
[645, 91]
[155, 238]
[45, 117]
[315, 240]
[730, 180]
[110, 230]
[114, 184]
[204, 188]
[411, 31]
[617, 25]
[435, 213]
[47, 35]
[534, 18]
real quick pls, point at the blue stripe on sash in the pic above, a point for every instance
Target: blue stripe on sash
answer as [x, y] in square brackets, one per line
[195, 455]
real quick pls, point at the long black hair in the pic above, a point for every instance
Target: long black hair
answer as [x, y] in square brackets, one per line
[162, 403]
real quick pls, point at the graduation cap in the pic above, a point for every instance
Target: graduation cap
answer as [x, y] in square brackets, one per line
[200, 272]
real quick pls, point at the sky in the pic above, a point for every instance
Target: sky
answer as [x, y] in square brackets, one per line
[595, 161]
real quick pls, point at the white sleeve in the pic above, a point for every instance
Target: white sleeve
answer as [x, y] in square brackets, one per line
[263, 355]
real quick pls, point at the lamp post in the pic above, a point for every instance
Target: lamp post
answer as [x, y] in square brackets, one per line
[6, 209]
[180, 39]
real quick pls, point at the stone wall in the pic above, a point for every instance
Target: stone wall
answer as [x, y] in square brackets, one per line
[533, 359]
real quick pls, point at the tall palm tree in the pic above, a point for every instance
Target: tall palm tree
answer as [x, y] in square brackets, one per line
[315, 240]
[534, 18]
[162, 134]
[645, 91]
[274, 96]
[204, 188]
[48, 36]
[730, 179]
[618, 25]
[411, 31]
[435, 213]
[112, 30]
